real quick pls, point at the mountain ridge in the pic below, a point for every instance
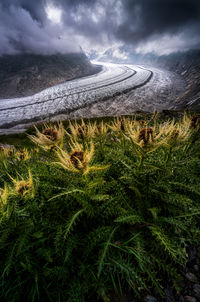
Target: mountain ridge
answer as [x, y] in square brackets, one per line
[26, 74]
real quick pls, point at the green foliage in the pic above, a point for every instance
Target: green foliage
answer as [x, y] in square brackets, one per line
[83, 237]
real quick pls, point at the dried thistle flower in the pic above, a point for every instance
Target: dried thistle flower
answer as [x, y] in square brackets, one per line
[101, 129]
[23, 155]
[35, 150]
[195, 121]
[51, 134]
[6, 152]
[24, 187]
[179, 134]
[3, 196]
[146, 135]
[78, 159]
[82, 131]
[119, 125]
[123, 125]
[176, 132]
[146, 139]
[49, 137]
[142, 122]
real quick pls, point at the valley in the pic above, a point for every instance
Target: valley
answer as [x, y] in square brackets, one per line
[116, 89]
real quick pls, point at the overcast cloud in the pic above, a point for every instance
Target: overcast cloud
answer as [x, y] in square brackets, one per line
[52, 26]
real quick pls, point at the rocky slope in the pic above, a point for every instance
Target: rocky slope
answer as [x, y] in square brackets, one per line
[186, 64]
[24, 75]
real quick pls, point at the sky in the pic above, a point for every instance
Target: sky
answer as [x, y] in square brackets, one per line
[63, 26]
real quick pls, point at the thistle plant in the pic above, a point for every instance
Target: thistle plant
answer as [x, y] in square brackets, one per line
[176, 134]
[101, 129]
[122, 229]
[23, 187]
[81, 131]
[195, 121]
[146, 139]
[3, 196]
[50, 137]
[179, 134]
[119, 125]
[6, 152]
[78, 159]
[22, 155]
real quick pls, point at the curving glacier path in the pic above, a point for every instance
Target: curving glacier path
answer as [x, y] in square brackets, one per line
[78, 98]
[19, 113]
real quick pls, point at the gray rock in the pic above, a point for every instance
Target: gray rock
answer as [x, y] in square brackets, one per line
[190, 299]
[169, 297]
[196, 290]
[181, 299]
[149, 298]
[192, 253]
[191, 277]
[196, 267]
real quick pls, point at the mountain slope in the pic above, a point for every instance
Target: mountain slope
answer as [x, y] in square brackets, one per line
[186, 64]
[23, 75]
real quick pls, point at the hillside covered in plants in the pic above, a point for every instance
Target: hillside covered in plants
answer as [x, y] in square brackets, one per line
[96, 210]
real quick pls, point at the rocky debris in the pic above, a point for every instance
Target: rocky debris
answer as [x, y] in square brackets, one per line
[158, 93]
[169, 297]
[190, 286]
[190, 299]
[150, 299]
[196, 291]
[65, 98]
[24, 75]
[188, 66]
[191, 277]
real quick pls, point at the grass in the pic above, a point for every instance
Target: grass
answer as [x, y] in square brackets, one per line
[98, 207]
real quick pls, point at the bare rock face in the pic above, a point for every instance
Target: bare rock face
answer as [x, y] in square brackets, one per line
[187, 65]
[24, 75]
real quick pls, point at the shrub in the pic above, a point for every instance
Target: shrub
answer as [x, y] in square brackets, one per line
[111, 209]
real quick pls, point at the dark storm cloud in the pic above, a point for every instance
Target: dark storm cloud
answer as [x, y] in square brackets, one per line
[35, 8]
[25, 26]
[157, 16]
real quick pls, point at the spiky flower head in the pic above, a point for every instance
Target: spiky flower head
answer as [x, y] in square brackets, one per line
[22, 155]
[146, 136]
[35, 151]
[195, 121]
[81, 131]
[177, 132]
[51, 134]
[123, 125]
[3, 196]
[101, 129]
[24, 187]
[119, 124]
[146, 139]
[50, 137]
[6, 152]
[142, 122]
[78, 159]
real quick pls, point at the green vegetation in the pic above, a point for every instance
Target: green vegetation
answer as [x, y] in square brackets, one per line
[99, 207]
